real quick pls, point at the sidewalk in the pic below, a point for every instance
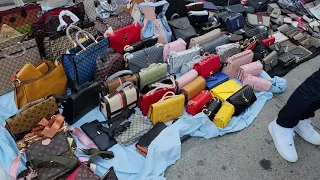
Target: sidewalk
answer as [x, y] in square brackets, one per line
[250, 154]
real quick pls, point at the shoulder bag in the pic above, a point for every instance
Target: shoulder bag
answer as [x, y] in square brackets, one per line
[270, 61]
[234, 62]
[215, 80]
[186, 78]
[225, 90]
[208, 65]
[227, 50]
[151, 74]
[177, 46]
[198, 17]
[210, 47]
[253, 68]
[223, 116]
[182, 28]
[195, 105]
[212, 107]
[257, 83]
[201, 40]
[234, 21]
[193, 88]
[144, 43]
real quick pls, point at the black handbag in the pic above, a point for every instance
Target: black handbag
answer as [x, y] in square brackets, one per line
[144, 43]
[260, 51]
[242, 99]
[285, 59]
[195, 18]
[237, 8]
[182, 28]
[259, 32]
[233, 21]
[176, 7]
[212, 107]
[206, 27]
[258, 5]
[151, 86]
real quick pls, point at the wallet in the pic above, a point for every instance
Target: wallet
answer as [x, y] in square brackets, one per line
[285, 59]
[212, 107]
[225, 90]
[242, 99]
[300, 53]
[217, 79]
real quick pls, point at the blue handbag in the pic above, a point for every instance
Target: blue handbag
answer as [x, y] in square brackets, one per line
[234, 22]
[79, 65]
[217, 79]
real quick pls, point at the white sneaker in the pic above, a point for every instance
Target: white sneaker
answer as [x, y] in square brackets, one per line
[283, 140]
[307, 132]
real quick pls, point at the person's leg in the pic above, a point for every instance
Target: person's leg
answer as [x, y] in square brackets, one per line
[310, 112]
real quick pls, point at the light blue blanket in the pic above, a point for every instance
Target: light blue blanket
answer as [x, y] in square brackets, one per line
[164, 151]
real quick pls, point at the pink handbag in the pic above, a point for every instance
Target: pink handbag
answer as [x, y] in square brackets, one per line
[186, 78]
[257, 83]
[253, 68]
[234, 62]
[177, 45]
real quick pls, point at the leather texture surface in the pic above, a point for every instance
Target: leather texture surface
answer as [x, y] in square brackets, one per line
[234, 62]
[208, 65]
[257, 83]
[210, 47]
[193, 88]
[227, 50]
[186, 78]
[151, 74]
[144, 43]
[112, 85]
[253, 68]
[212, 107]
[217, 79]
[224, 115]
[195, 105]
[242, 99]
[83, 173]
[225, 90]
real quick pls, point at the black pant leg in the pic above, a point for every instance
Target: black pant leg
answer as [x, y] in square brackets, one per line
[310, 112]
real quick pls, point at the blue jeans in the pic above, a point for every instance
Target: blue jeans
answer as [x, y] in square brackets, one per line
[302, 104]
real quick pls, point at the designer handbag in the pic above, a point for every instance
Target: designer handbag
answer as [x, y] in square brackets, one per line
[9, 36]
[114, 22]
[227, 50]
[151, 74]
[234, 62]
[210, 47]
[189, 65]
[125, 96]
[108, 63]
[168, 80]
[253, 68]
[258, 20]
[182, 28]
[193, 88]
[242, 99]
[32, 83]
[257, 83]
[212, 107]
[143, 58]
[285, 59]
[144, 43]
[259, 33]
[83, 172]
[195, 105]
[270, 61]
[234, 21]
[215, 80]
[201, 40]
[197, 17]
[208, 65]
[176, 46]
[223, 116]
[169, 107]
[177, 59]
[225, 90]
[186, 78]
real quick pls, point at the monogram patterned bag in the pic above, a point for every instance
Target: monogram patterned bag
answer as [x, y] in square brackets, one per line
[114, 22]
[9, 36]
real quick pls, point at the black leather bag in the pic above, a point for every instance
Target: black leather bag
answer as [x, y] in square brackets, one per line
[182, 28]
[260, 51]
[206, 27]
[286, 59]
[237, 8]
[197, 19]
[242, 99]
[212, 107]
[258, 5]
[176, 7]
[144, 43]
[259, 32]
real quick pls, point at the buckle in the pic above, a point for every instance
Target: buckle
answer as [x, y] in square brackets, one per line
[16, 83]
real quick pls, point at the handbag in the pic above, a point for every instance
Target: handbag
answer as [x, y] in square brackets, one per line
[114, 22]
[285, 59]
[300, 53]
[9, 36]
[242, 99]
[112, 82]
[189, 65]
[254, 69]
[176, 46]
[201, 40]
[233, 22]
[270, 61]
[206, 27]
[196, 6]
[260, 51]
[182, 28]
[223, 116]
[212, 107]
[32, 83]
[258, 20]
[217, 79]
[197, 17]
[208, 65]
[28, 116]
[125, 96]
[193, 88]
[175, 7]
[186, 78]
[268, 41]
[168, 80]
[234, 62]
[133, 9]
[144, 43]
[259, 6]
[139, 126]
[151, 74]
[124, 36]
[107, 64]
[227, 50]
[210, 47]
[259, 33]
[153, 24]
[177, 59]
[195, 105]
[83, 172]
[257, 83]
[101, 9]
[169, 107]
[143, 58]
[13, 58]
[225, 90]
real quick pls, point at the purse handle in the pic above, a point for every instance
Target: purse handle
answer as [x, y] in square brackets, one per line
[63, 24]
[72, 26]
[167, 96]
[14, 56]
[119, 73]
[128, 83]
[86, 35]
[162, 86]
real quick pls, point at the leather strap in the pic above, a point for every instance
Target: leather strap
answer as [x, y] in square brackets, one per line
[83, 138]
[49, 128]
[106, 154]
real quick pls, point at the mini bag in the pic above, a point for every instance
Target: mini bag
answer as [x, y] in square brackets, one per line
[151, 74]
[225, 90]
[177, 46]
[210, 47]
[234, 21]
[212, 107]
[169, 107]
[186, 78]
[195, 105]
[193, 88]
[144, 43]
[234, 62]
[242, 99]
[253, 68]
[223, 116]
[197, 17]
[201, 40]
[227, 50]
[182, 28]
[196, 6]
[258, 20]
[209, 65]
[215, 80]
[257, 83]
[270, 61]
[189, 65]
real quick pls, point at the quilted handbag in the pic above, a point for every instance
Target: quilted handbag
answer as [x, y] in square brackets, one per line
[124, 36]
[182, 28]
[13, 58]
[151, 74]
[234, 62]
[270, 61]
[139, 126]
[169, 107]
[153, 24]
[212, 107]
[9, 36]
[234, 21]
[208, 65]
[114, 22]
[253, 68]
[125, 96]
[223, 116]
[225, 90]
[195, 105]
[193, 88]
[186, 78]
[80, 64]
[177, 59]
[177, 46]
[143, 58]
[257, 83]
[217, 79]
[176, 7]
[189, 65]
[210, 46]
[144, 43]
[227, 50]
[242, 99]
[201, 40]
[197, 17]
[258, 20]
[108, 63]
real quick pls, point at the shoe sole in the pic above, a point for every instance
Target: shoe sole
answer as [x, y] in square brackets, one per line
[275, 144]
[298, 132]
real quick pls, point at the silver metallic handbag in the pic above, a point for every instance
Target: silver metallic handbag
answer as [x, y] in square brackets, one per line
[227, 50]
[188, 66]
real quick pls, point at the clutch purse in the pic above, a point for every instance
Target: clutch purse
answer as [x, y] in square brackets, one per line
[223, 116]
[233, 22]
[225, 90]
[257, 83]
[217, 79]
[270, 61]
[169, 107]
[234, 62]
[201, 40]
[258, 20]
[151, 74]
[227, 50]
[186, 78]
[177, 45]
[210, 46]
[144, 43]
[212, 107]
[253, 68]
[193, 88]
[242, 99]
[209, 65]
[189, 65]
[195, 105]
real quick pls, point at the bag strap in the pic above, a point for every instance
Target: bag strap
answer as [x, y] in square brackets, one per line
[162, 86]
[166, 96]
[67, 162]
[83, 138]
[63, 24]
[116, 127]
[15, 164]
[86, 35]
[106, 154]
[119, 73]
[49, 128]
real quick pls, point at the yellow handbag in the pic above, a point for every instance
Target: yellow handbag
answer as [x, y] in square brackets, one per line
[169, 107]
[222, 118]
[32, 83]
[225, 90]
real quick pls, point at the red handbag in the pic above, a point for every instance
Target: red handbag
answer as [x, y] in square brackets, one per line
[196, 104]
[269, 41]
[127, 35]
[209, 65]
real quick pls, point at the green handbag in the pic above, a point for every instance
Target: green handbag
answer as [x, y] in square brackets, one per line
[152, 73]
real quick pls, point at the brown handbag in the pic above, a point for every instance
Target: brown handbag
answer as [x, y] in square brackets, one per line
[193, 88]
[114, 22]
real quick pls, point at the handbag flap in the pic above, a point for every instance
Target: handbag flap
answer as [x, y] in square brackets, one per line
[245, 96]
[177, 59]
[180, 23]
[145, 57]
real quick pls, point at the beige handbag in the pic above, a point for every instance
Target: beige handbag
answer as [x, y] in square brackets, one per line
[210, 36]
[9, 36]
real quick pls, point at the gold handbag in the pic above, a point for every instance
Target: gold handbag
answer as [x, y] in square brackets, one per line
[169, 107]
[225, 90]
[32, 83]
[224, 115]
